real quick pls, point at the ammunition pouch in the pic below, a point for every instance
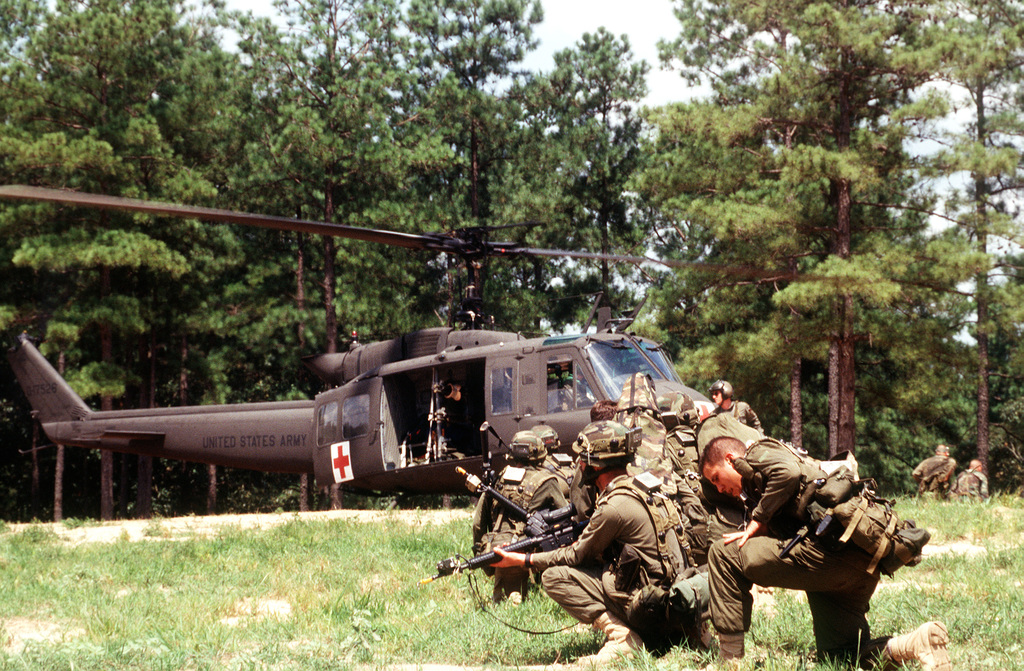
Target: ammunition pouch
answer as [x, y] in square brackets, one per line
[870, 523]
[678, 610]
[629, 569]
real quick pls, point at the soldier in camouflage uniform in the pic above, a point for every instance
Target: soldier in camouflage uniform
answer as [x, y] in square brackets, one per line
[558, 463]
[680, 417]
[528, 484]
[933, 475]
[638, 407]
[633, 541]
[971, 485]
[770, 478]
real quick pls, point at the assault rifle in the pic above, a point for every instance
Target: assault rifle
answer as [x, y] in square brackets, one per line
[477, 486]
[545, 530]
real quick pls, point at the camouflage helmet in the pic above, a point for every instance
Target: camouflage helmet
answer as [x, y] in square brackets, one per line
[722, 386]
[606, 441]
[677, 409]
[528, 446]
[548, 435]
[638, 393]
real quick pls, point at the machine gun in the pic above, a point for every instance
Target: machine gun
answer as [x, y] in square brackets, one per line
[545, 530]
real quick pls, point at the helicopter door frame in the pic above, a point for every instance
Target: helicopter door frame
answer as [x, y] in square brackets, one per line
[348, 432]
[504, 393]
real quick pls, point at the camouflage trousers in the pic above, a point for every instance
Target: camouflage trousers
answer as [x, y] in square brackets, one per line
[837, 585]
[581, 592]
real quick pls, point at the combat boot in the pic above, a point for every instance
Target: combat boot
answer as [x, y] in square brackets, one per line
[621, 642]
[926, 644]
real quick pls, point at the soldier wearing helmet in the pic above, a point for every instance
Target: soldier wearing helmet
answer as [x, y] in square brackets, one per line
[558, 463]
[528, 484]
[634, 545]
[721, 393]
[933, 475]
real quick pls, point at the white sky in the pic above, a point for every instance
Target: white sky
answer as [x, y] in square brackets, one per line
[565, 21]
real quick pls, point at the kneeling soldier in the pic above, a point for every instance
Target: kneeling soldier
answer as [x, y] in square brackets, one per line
[527, 484]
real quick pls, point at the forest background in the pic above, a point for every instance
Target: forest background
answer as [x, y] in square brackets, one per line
[847, 188]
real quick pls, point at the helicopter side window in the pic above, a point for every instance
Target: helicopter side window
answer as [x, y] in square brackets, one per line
[560, 386]
[327, 423]
[501, 391]
[567, 388]
[355, 416]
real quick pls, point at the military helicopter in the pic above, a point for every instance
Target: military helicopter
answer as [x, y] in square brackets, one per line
[399, 415]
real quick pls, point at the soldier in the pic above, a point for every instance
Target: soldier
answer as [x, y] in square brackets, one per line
[558, 463]
[934, 473]
[721, 393]
[638, 408]
[971, 485]
[724, 513]
[770, 478]
[632, 542]
[680, 417]
[526, 483]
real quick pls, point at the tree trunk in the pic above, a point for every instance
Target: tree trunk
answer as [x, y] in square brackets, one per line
[842, 429]
[58, 471]
[147, 399]
[211, 490]
[35, 471]
[304, 493]
[796, 408]
[982, 288]
[106, 403]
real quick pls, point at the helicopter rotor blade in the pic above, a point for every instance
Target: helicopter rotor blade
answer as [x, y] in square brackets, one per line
[466, 243]
[407, 240]
[743, 271]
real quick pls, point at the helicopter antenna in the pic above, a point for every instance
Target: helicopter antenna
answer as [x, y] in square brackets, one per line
[593, 310]
[624, 323]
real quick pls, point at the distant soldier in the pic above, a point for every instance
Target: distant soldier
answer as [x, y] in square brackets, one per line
[529, 485]
[971, 485]
[934, 473]
[721, 393]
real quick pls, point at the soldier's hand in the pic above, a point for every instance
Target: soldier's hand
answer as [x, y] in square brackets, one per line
[741, 537]
[509, 559]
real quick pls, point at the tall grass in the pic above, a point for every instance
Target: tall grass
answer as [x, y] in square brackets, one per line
[340, 594]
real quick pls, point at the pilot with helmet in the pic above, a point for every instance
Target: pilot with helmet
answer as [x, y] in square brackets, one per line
[721, 393]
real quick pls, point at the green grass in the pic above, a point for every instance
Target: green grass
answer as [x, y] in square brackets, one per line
[348, 595]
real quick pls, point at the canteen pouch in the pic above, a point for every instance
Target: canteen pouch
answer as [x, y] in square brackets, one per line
[870, 523]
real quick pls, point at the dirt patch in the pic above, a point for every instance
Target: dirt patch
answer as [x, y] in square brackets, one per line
[21, 632]
[179, 528]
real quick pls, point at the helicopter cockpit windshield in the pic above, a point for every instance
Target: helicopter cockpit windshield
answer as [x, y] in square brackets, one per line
[615, 361]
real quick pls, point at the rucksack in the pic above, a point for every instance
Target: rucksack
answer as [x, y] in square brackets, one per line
[870, 523]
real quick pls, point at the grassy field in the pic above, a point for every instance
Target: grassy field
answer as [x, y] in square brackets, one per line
[345, 594]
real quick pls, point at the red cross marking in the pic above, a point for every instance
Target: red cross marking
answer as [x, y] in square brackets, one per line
[341, 462]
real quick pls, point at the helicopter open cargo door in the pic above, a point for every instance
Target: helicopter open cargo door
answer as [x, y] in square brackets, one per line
[348, 429]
